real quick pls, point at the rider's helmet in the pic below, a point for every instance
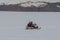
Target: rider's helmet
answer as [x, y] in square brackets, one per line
[31, 22]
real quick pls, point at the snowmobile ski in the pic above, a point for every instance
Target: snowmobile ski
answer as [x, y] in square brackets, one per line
[33, 28]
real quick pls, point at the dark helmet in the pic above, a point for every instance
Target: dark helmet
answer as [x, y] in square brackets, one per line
[30, 22]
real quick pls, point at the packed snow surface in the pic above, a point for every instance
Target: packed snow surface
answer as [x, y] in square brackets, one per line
[13, 24]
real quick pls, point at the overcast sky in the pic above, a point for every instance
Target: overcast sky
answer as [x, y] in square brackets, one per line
[17, 1]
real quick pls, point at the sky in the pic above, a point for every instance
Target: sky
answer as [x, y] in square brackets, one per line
[13, 24]
[18, 1]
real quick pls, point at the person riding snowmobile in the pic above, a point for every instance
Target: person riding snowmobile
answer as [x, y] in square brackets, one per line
[31, 25]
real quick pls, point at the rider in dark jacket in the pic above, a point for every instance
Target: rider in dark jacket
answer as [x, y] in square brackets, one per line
[30, 24]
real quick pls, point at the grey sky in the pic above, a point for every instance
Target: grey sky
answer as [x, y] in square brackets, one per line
[17, 1]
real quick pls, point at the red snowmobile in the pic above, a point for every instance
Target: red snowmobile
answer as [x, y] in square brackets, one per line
[30, 25]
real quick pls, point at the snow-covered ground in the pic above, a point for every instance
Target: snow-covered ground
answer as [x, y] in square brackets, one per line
[12, 25]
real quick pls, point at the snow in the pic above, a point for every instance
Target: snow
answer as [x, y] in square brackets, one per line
[36, 4]
[12, 25]
[58, 6]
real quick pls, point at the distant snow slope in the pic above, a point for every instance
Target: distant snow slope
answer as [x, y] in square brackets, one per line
[13, 24]
[58, 6]
[30, 4]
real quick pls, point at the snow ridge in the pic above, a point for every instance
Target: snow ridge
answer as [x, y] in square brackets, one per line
[30, 4]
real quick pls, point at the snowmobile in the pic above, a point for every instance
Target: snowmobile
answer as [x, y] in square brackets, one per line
[35, 27]
[32, 25]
